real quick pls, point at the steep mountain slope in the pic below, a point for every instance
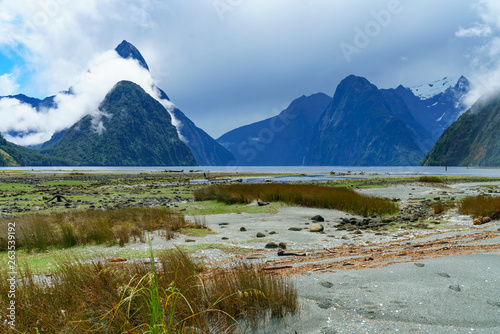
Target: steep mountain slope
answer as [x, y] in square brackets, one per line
[127, 50]
[206, 150]
[358, 128]
[15, 155]
[282, 140]
[474, 139]
[437, 105]
[131, 129]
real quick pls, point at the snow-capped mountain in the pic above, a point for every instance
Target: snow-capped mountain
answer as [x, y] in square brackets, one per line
[428, 91]
[438, 104]
[86, 100]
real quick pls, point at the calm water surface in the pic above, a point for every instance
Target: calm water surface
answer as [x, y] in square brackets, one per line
[320, 172]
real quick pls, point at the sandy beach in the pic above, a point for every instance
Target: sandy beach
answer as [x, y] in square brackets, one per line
[398, 281]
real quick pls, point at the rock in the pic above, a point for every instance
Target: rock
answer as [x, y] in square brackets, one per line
[255, 256]
[455, 288]
[282, 245]
[316, 228]
[296, 229]
[420, 265]
[224, 238]
[190, 240]
[318, 218]
[261, 235]
[477, 222]
[486, 220]
[326, 284]
[271, 245]
[325, 304]
[242, 229]
[223, 224]
[444, 275]
[262, 203]
[272, 233]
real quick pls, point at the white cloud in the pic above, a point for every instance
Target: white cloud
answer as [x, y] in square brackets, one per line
[477, 30]
[485, 78]
[88, 91]
[8, 84]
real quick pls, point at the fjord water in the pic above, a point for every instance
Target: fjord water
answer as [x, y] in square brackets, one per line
[311, 171]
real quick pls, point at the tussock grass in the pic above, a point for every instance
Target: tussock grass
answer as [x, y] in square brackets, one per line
[439, 207]
[430, 179]
[296, 194]
[481, 206]
[174, 295]
[39, 232]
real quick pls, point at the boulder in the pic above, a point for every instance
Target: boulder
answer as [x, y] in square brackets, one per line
[318, 218]
[271, 245]
[316, 228]
[485, 220]
[261, 235]
[477, 222]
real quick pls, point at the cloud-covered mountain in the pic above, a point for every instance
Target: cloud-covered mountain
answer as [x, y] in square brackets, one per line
[132, 129]
[32, 122]
[474, 139]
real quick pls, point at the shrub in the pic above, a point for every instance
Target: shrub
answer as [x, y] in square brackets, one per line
[481, 206]
[296, 194]
[430, 179]
[38, 232]
[171, 296]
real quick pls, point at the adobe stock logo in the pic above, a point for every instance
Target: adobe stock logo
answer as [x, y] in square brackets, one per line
[249, 148]
[372, 29]
[224, 6]
[49, 9]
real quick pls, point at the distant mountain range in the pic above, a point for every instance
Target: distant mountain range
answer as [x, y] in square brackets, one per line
[135, 130]
[474, 139]
[361, 126]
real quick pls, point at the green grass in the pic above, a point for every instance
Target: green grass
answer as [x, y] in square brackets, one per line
[203, 208]
[343, 199]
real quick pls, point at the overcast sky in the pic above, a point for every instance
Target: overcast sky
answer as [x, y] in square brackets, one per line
[227, 63]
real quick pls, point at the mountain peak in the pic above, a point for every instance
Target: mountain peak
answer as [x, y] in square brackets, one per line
[428, 91]
[127, 50]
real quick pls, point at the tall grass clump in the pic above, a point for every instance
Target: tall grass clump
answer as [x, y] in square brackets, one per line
[117, 226]
[430, 179]
[173, 295]
[481, 206]
[296, 194]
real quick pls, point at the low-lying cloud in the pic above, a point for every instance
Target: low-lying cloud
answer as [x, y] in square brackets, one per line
[89, 90]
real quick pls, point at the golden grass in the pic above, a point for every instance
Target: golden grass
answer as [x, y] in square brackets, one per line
[297, 194]
[173, 296]
[430, 179]
[481, 206]
[63, 230]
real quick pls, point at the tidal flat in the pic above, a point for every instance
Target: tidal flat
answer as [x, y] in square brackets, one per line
[343, 273]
